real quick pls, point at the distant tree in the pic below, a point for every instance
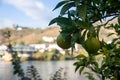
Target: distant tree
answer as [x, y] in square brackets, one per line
[22, 43]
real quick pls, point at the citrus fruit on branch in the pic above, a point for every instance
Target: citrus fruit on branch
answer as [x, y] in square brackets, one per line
[92, 44]
[64, 43]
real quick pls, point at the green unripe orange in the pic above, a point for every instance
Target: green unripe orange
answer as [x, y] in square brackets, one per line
[92, 44]
[64, 43]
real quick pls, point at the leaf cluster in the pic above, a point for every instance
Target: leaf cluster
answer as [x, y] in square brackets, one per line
[76, 18]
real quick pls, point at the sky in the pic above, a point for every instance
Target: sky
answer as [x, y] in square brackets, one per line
[27, 13]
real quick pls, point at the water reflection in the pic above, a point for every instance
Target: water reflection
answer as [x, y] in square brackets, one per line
[45, 68]
[6, 71]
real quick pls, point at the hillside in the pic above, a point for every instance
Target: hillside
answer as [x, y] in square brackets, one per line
[29, 36]
[37, 37]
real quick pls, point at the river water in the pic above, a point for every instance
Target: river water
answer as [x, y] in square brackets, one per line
[45, 69]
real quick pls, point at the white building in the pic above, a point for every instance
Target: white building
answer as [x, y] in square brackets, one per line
[48, 39]
[48, 47]
[2, 49]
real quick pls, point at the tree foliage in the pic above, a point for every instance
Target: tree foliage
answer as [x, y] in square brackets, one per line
[77, 17]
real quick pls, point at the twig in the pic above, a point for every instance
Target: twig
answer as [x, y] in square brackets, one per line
[106, 22]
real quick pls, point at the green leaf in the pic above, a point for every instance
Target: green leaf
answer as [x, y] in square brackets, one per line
[83, 25]
[82, 12]
[96, 65]
[77, 2]
[107, 72]
[66, 7]
[81, 69]
[67, 25]
[89, 75]
[60, 4]
[77, 66]
[52, 21]
[114, 40]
